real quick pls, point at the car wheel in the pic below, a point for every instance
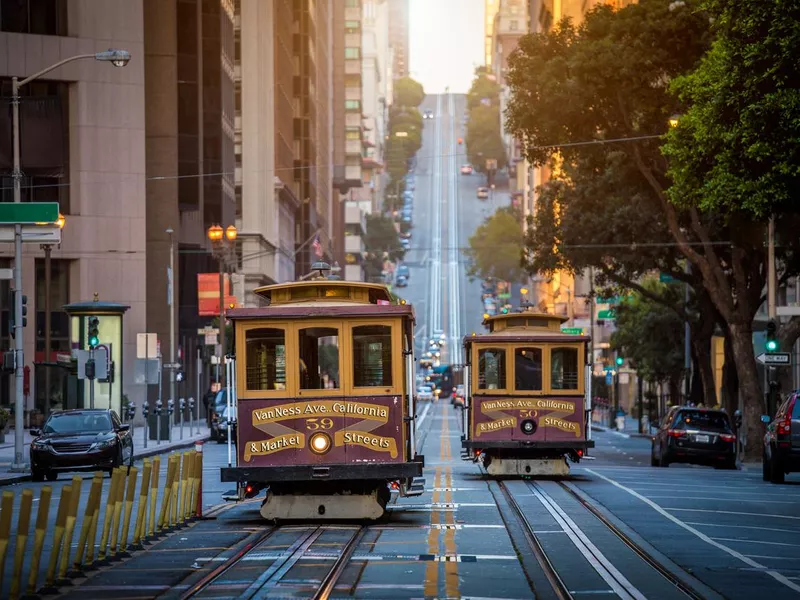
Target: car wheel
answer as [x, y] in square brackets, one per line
[51, 475]
[37, 474]
[664, 459]
[776, 474]
[653, 461]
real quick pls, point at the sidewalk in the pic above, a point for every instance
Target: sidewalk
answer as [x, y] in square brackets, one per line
[189, 438]
[631, 429]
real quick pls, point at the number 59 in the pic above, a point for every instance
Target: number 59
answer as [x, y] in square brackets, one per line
[314, 424]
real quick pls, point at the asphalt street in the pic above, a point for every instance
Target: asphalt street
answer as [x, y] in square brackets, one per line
[615, 527]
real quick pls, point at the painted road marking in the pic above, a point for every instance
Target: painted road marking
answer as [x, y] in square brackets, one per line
[663, 512]
[755, 542]
[444, 505]
[263, 556]
[716, 499]
[781, 530]
[424, 414]
[610, 574]
[732, 512]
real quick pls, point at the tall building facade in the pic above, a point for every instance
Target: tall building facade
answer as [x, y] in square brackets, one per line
[489, 13]
[399, 36]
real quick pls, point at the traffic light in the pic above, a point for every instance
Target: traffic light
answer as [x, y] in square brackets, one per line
[24, 310]
[94, 332]
[620, 361]
[772, 336]
[12, 312]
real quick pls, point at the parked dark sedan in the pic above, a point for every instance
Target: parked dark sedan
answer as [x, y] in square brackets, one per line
[697, 436]
[80, 440]
[219, 428]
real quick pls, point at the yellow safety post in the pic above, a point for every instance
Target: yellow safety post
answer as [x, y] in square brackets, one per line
[155, 475]
[61, 520]
[118, 498]
[198, 447]
[22, 540]
[38, 537]
[6, 508]
[90, 549]
[110, 500]
[165, 499]
[192, 499]
[184, 489]
[92, 505]
[69, 529]
[140, 528]
[176, 490]
[133, 473]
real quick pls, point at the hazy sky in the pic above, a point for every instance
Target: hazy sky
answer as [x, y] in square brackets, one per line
[446, 43]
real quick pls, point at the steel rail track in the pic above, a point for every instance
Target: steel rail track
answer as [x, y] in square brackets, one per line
[558, 585]
[636, 548]
[329, 583]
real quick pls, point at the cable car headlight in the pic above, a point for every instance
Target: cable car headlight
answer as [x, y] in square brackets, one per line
[319, 443]
[528, 426]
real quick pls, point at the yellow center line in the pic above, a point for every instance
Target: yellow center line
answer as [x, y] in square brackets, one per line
[450, 568]
[432, 568]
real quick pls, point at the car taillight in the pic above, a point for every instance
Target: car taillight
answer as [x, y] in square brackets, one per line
[785, 427]
[676, 433]
[727, 437]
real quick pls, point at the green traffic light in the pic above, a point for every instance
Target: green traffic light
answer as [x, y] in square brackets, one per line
[620, 360]
[772, 345]
[93, 341]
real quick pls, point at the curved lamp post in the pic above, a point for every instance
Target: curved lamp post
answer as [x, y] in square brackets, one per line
[222, 242]
[48, 248]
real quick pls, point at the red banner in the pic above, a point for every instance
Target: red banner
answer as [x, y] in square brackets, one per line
[208, 294]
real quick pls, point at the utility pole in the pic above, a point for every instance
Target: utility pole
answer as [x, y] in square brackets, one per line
[687, 339]
[171, 305]
[772, 284]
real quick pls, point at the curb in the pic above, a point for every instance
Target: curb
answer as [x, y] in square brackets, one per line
[138, 455]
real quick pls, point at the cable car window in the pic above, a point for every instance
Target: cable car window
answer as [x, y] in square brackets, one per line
[528, 369]
[564, 369]
[372, 356]
[265, 361]
[491, 369]
[319, 358]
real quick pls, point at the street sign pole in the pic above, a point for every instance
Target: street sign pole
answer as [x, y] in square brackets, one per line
[91, 381]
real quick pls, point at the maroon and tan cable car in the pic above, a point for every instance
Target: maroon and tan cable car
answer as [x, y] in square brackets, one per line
[527, 409]
[323, 381]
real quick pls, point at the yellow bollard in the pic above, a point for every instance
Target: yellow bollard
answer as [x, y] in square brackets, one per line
[119, 496]
[38, 538]
[155, 475]
[61, 520]
[184, 486]
[126, 522]
[192, 500]
[69, 529]
[90, 543]
[176, 490]
[199, 500]
[165, 499]
[110, 500]
[92, 505]
[140, 528]
[6, 508]
[22, 540]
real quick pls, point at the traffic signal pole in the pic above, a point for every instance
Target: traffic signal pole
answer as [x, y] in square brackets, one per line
[91, 380]
[771, 310]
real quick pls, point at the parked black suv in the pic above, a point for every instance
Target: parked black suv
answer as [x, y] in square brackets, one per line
[697, 436]
[782, 441]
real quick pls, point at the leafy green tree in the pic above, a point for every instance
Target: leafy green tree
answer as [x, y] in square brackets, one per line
[484, 86]
[408, 92]
[650, 335]
[484, 140]
[495, 247]
[405, 115]
[380, 242]
[596, 83]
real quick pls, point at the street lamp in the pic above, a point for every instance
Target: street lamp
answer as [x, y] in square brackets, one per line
[118, 58]
[222, 241]
[47, 317]
[171, 305]
[674, 120]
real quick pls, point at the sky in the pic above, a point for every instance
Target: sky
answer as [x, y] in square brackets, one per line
[446, 43]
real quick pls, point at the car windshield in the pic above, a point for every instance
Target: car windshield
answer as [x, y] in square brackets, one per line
[705, 420]
[78, 423]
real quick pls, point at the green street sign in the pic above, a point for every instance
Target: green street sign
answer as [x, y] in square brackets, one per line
[28, 213]
[572, 330]
[607, 314]
[664, 278]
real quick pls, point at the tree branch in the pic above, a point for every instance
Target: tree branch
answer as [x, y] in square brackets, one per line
[682, 313]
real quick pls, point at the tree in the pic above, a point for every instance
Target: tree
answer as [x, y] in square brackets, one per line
[484, 140]
[651, 335]
[484, 87]
[494, 248]
[380, 243]
[408, 92]
[598, 83]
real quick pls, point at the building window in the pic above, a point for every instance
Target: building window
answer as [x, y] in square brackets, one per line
[59, 331]
[352, 53]
[352, 3]
[352, 105]
[353, 133]
[44, 142]
[319, 358]
[352, 26]
[43, 17]
[513, 25]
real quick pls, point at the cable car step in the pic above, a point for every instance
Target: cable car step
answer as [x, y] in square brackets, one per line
[417, 487]
[231, 496]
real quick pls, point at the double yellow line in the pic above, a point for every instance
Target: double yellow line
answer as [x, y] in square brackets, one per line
[443, 480]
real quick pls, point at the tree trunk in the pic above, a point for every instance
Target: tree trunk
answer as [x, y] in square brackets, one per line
[730, 381]
[749, 388]
[703, 387]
